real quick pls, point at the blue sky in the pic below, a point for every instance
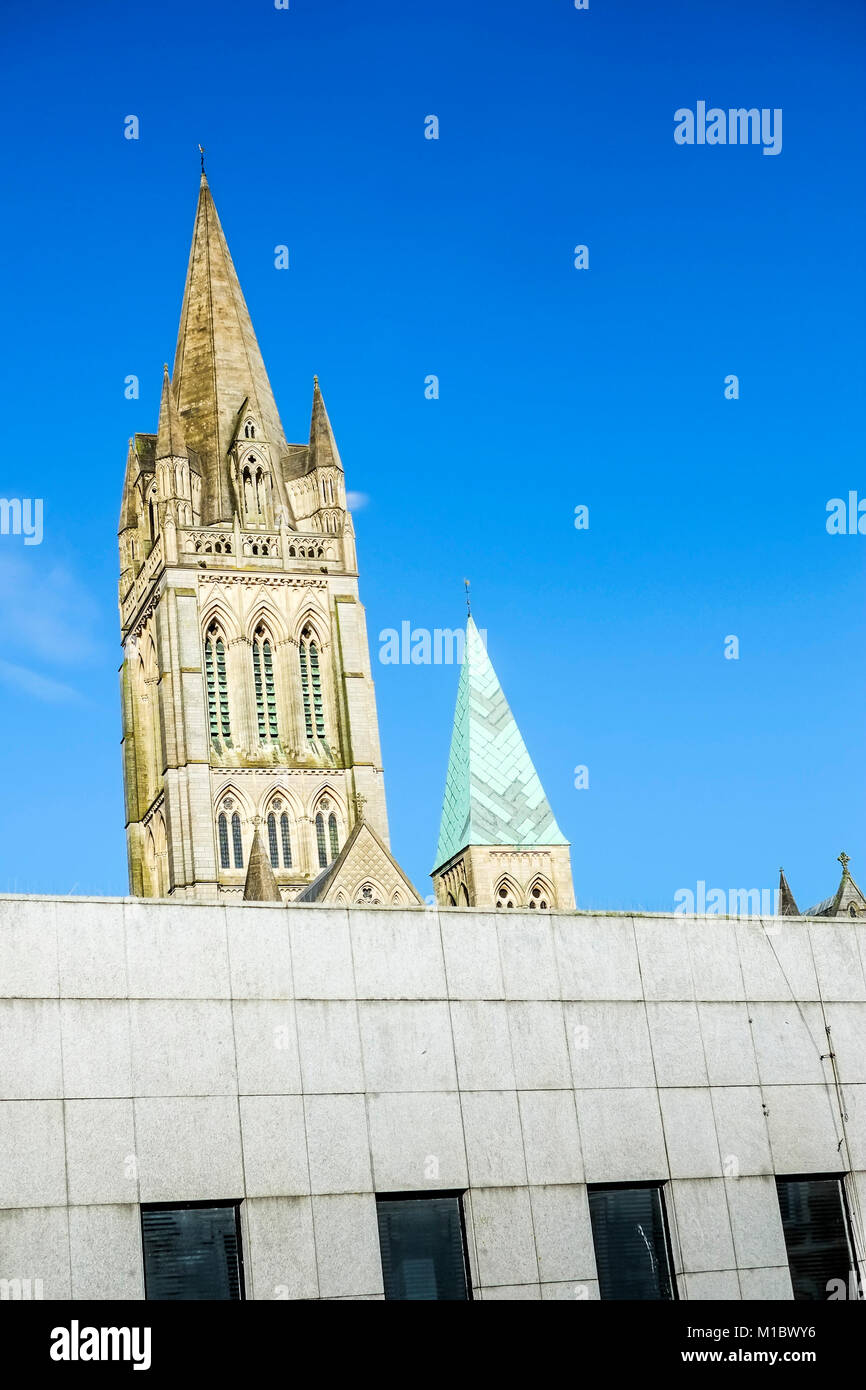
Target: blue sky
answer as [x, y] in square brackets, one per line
[558, 387]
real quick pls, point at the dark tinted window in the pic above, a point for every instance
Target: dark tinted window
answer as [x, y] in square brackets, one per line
[192, 1252]
[631, 1242]
[815, 1222]
[422, 1245]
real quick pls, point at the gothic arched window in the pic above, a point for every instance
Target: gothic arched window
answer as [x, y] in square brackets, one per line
[287, 840]
[321, 845]
[539, 897]
[237, 842]
[262, 498]
[279, 837]
[311, 686]
[333, 835]
[273, 847]
[150, 861]
[223, 830]
[266, 695]
[249, 493]
[217, 684]
[506, 895]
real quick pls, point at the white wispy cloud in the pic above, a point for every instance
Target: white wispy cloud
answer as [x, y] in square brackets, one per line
[40, 687]
[45, 610]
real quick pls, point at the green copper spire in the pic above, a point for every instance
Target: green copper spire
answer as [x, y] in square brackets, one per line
[492, 792]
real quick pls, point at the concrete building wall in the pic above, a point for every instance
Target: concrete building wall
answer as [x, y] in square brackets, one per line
[303, 1059]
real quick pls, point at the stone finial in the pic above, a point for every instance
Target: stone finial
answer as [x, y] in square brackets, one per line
[844, 861]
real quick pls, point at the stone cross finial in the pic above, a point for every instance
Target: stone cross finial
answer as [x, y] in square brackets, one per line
[359, 802]
[843, 860]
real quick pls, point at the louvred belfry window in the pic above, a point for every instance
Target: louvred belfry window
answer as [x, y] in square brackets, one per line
[263, 679]
[217, 684]
[632, 1249]
[316, 680]
[311, 686]
[192, 1251]
[818, 1235]
[305, 689]
[423, 1248]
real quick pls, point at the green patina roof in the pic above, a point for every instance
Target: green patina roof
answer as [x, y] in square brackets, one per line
[492, 792]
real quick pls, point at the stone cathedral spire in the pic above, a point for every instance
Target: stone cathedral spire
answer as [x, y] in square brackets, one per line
[250, 736]
[499, 843]
[219, 369]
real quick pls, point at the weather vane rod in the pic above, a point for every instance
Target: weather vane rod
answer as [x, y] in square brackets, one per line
[201, 152]
[468, 604]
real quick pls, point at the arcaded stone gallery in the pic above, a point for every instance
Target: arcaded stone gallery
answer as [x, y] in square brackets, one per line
[275, 1071]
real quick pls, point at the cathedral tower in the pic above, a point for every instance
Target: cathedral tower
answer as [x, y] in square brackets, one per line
[248, 706]
[499, 844]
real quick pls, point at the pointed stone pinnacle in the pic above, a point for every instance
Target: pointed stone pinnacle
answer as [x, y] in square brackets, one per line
[261, 884]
